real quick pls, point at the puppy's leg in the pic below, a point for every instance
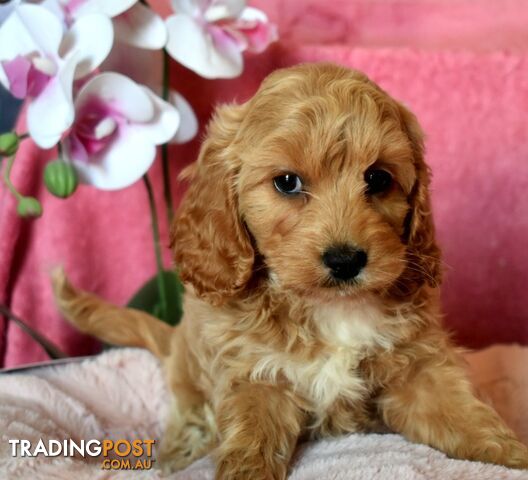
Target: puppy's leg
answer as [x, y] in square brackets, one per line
[432, 402]
[190, 433]
[259, 426]
[190, 429]
[112, 324]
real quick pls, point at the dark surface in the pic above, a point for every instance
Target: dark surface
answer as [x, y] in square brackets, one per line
[9, 107]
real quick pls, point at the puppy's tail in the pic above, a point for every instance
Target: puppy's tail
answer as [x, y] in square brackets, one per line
[109, 323]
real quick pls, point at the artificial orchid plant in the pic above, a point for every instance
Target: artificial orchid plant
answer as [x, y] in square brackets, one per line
[56, 56]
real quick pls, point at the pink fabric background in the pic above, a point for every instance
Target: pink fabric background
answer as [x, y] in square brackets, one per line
[461, 65]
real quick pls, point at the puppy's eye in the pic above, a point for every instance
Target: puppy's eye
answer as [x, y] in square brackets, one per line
[377, 180]
[288, 184]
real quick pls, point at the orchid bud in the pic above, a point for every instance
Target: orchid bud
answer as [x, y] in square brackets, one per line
[9, 143]
[60, 178]
[29, 207]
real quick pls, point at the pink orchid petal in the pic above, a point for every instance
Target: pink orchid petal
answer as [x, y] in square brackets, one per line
[225, 40]
[192, 44]
[118, 125]
[51, 113]
[72, 6]
[259, 36]
[256, 28]
[84, 142]
[37, 82]
[123, 94]
[76, 149]
[17, 73]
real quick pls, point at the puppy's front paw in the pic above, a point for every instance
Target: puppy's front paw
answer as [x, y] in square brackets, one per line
[502, 450]
[241, 466]
[188, 436]
[513, 454]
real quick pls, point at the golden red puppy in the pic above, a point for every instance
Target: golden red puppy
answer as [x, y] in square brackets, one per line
[307, 247]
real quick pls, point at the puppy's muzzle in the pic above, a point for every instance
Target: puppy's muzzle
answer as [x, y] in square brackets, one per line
[344, 262]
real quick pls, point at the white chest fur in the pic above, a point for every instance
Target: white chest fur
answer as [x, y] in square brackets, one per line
[347, 331]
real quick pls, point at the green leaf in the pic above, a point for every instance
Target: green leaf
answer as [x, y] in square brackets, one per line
[147, 298]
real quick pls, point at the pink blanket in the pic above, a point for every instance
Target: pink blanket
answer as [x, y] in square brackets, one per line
[467, 83]
[122, 395]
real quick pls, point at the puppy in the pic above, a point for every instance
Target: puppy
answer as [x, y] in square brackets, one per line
[307, 247]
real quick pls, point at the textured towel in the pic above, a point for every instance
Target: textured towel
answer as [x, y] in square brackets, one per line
[122, 394]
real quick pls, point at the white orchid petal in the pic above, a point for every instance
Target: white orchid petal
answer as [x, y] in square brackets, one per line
[216, 13]
[91, 38]
[251, 13]
[55, 7]
[105, 128]
[234, 7]
[3, 78]
[30, 28]
[188, 121]
[45, 65]
[125, 96]
[162, 128]
[190, 7]
[124, 162]
[141, 27]
[110, 8]
[52, 112]
[221, 9]
[194, 48]
[6, 9]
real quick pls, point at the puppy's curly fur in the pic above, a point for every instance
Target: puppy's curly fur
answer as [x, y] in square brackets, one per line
[270, 350]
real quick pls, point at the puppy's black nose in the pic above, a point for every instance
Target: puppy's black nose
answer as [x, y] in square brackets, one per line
[344, 262]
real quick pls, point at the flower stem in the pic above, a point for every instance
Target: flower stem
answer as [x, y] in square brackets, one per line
[52, 350]
[7, 179]
[167, 190]
[157, 248]
[8, 168]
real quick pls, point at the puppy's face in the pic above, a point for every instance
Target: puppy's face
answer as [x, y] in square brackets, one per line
[324, 171]
[324, 191]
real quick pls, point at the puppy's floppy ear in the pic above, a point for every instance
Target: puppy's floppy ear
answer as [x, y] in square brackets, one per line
[422, 250]
[211, 246]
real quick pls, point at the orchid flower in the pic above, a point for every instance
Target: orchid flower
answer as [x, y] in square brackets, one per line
[146, 69]
[189, 123]
[134, 23]
[209, 36]
[38, 61]
[117, 127]
[6, 9]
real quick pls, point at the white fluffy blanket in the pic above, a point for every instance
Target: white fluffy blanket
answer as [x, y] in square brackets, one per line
[122, 394]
